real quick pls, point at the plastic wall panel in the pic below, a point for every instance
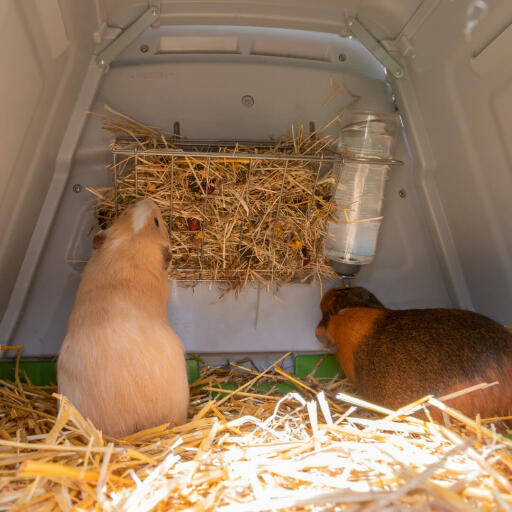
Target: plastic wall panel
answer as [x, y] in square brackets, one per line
[385, 18]
[44, 50]
[457, 96]
[203, 93]
[466, 112]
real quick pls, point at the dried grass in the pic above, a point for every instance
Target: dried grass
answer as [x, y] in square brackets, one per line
[250, 449]
[232, 218]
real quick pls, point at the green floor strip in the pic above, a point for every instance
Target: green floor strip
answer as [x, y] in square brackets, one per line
[328, 368]
[40, 373]
[260, 387]
[192, 370]
[215, 394]
[44, 373]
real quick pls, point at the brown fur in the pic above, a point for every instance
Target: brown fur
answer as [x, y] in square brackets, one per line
[395, 357]
[121, 364]
[98, 240]
[167, 257]
[351, 325]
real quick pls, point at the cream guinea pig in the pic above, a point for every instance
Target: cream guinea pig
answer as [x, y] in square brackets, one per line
[121, 364]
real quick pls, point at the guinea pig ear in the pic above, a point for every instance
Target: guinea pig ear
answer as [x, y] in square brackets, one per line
[370, 299]
[166, 252]
[99, 240]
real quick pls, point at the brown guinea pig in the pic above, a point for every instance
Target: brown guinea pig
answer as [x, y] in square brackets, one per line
[121, 364]
[395, 357]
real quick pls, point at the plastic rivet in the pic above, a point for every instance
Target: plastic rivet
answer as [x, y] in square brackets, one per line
[402, 193]
[77, 188]
[342, 57]
[144, 48]
[247, 100]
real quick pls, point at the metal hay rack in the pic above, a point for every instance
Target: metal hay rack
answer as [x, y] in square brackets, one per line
[237, 212]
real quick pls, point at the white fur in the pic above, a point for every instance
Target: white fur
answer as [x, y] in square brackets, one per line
[113, 245]
[141, 212]
[121, 364]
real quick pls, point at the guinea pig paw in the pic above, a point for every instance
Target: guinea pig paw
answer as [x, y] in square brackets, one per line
[321, 336]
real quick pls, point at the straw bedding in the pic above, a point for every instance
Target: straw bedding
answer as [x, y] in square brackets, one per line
[250, 449]
[232, 219]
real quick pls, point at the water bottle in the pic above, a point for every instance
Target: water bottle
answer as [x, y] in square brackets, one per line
[367, 142]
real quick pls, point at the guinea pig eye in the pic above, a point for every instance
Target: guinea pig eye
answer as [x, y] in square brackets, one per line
[157, 224]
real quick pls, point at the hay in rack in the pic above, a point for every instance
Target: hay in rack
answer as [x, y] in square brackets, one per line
[250, 449]
[237, 213]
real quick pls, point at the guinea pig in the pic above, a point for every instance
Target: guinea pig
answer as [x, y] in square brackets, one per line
[121, 364]
[394, 357]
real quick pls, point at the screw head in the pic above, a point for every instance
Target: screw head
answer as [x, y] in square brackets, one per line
[342, 57]
[247, 100]
[402, 193]
[77, 188]
[144, 48]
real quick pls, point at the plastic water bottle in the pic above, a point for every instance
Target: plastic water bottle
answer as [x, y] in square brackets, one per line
[366, 137]
[359, 195]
